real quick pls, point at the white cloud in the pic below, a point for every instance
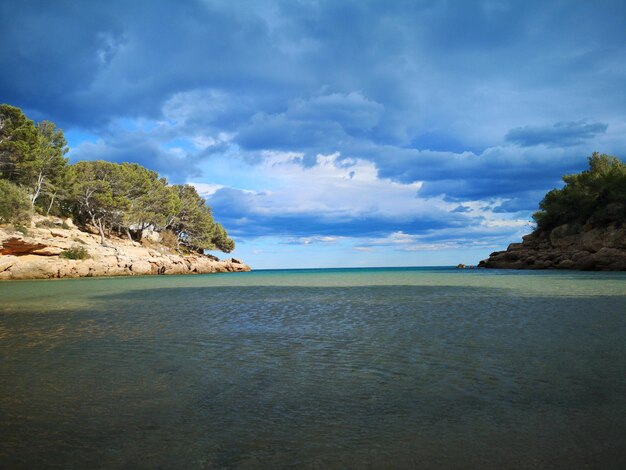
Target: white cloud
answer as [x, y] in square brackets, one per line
[205, 189]
[333, 189]
[314, 239]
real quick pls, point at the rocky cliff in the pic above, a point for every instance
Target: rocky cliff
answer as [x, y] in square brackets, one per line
[568, 246]
[40, 254]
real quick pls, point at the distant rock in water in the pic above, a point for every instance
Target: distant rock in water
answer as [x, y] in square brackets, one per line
[566, 247]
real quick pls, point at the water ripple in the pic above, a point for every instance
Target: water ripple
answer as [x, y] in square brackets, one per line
[405, 376]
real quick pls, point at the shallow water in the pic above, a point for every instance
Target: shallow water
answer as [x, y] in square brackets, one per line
[373, 368]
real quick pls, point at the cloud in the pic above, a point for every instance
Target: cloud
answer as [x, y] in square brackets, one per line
[172, 162]
[482, 234]
[499, 171]
[332, 119]
[418, 63]
[560, 134]
[112, 59]
[345, 198]
[321, 122]
[527, 201]
[312, 240]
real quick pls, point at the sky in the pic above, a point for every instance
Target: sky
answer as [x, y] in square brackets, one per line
[334, 133]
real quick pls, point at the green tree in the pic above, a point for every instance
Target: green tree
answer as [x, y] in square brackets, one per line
[18, 140]
[31, 156]
[193, 224]
[99, 194]
[119, 197]
[221, 240]
[45, 171]
[14, 204]
[151, 201]
[57, 197]
[595, 196]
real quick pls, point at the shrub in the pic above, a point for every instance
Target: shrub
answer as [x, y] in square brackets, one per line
[20, 228]
[169, 239]
[51, 224]
[596, 196]
[75, 252]
[15, 204]
[46, 223]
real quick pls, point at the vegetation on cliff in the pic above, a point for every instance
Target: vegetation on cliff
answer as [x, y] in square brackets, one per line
[126, 198]
[596, 196]
[580, 226]
[52, 247]
[15, 207]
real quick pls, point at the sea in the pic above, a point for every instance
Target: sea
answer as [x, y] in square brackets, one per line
[322, 369]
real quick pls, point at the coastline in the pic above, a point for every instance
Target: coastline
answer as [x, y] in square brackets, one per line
[38, 254]
[566, 247]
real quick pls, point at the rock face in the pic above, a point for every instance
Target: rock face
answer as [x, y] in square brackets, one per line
[36, 255]
[566, 247]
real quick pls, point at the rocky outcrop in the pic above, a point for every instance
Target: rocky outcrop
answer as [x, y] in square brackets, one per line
[38, 255]
[568, 246]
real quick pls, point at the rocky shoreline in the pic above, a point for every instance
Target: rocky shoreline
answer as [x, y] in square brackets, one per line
[38, 253]
[576, 247]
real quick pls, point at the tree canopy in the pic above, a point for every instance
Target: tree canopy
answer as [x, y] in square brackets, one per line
[18, 142]
[14, 203]
[596, 196]
[114, 197]
[31, 156]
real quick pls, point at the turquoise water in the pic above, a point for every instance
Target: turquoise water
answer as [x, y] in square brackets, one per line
[371, 368]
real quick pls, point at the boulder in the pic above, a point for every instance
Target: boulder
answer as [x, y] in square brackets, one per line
[35, 269]
[151, 235]
[48, 251]
[6, 262]
[563, 237]
[177, 267]
[584, 247]
[141, 267]
[84, 268]
[60, 233]
[566, 264]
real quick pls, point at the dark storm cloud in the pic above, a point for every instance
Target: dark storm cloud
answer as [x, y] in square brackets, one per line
[527, 201]
[561, 134]
[104, 59]
[496, 172]
[244, 215]
[440, 92]
[179, 168]
[88, 62]
[323, 122]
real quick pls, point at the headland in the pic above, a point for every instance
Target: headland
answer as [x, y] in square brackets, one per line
[52, 247]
